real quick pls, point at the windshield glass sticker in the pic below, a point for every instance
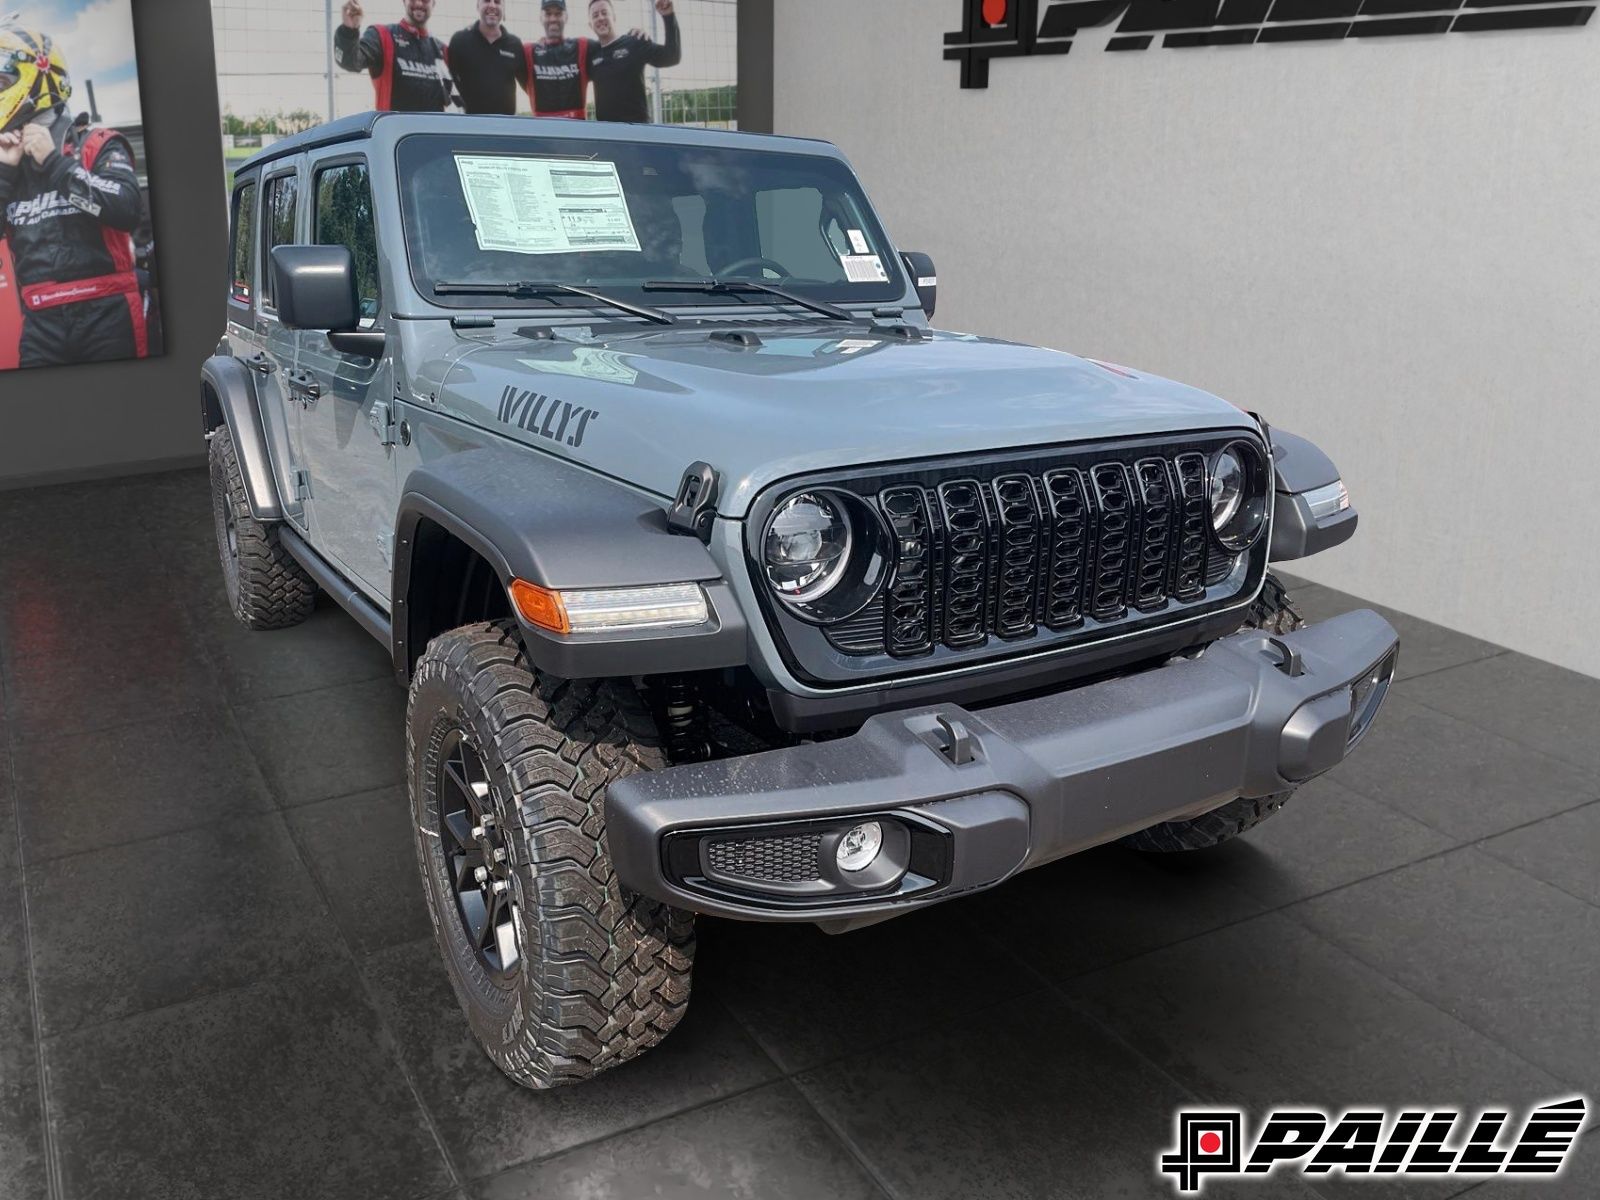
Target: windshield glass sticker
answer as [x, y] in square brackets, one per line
[545, 205]
[858, 240]
[864, 268]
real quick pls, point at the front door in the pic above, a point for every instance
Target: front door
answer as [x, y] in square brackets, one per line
[346, 411]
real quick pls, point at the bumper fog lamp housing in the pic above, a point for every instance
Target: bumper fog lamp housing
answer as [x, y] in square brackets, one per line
[611, 610]
[858, 848]
[1366, 696]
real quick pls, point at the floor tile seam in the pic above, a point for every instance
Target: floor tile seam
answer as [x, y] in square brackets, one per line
[394, 1045]
[1588, 768]
[1268, 909]
[1582, 800]
[52, 1161]
[1496, 652]
[856, 1152]
[1560, 1080]
[1483, 845]
[710, 1102]
[246, 985]
[217, 822]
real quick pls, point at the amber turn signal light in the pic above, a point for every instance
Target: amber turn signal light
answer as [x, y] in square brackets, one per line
[540, 606]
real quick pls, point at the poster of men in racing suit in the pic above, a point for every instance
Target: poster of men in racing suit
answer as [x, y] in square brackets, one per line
[77, 266]
[607, 60]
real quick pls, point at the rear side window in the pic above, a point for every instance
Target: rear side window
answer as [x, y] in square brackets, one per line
[344, 218]
[278, 218]
[243, 272]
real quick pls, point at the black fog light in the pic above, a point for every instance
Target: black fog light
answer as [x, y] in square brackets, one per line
[1367, 693]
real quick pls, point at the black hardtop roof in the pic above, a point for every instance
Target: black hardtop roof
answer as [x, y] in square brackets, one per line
[361, 125]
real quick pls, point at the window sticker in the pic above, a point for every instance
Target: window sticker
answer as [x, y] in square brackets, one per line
[864, 268]
[546, 205]
[858, 241]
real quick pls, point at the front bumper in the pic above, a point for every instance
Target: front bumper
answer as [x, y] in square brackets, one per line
[966, 799]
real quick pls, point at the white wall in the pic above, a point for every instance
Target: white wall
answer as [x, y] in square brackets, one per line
[1391, 246]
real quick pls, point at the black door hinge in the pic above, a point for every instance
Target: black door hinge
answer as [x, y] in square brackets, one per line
[696, 504]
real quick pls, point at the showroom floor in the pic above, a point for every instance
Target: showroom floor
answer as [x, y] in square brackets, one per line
[217, 978]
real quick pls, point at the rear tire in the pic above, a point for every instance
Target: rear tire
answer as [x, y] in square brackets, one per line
[1274, 613]
[582, 975]
[267, 589]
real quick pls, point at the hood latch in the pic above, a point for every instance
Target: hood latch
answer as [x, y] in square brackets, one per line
[696, 504]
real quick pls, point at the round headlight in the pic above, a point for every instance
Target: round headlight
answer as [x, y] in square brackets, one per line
[1238, 496]
[807, 546]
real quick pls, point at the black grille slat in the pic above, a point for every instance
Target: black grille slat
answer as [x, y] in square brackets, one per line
[1156, 523]
[908, 615]
[1114, 541]
[1071, 517]
[1016, 570]
[966, 563]
[1191, 540]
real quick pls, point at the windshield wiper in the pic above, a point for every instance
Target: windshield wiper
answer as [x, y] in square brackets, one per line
[541, 288]
[733, 286]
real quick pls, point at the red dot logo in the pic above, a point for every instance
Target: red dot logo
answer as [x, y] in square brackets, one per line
[1210, 1143]
[994, 11]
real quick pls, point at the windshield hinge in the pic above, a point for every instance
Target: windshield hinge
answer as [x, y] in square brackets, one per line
[695, 506]
[302, 484]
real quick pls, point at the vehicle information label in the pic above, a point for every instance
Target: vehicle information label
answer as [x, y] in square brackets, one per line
[546, 205]
[864, 268]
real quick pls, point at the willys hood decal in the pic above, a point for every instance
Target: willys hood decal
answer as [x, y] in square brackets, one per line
[643, 407]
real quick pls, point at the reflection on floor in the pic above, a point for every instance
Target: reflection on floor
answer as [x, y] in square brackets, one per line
[217, 977]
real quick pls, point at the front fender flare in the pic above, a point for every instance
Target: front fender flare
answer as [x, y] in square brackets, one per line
[228, 393]
[1300, 468]
[537, 518]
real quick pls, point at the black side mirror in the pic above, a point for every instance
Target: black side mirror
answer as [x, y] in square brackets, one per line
[314, 287]
[925, 277]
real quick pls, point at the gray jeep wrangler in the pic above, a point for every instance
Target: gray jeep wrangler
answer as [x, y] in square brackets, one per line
[722, 583]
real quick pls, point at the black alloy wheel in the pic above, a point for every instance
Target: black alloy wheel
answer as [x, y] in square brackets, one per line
[479, 864]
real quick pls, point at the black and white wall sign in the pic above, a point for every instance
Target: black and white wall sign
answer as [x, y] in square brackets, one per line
[1021, 28]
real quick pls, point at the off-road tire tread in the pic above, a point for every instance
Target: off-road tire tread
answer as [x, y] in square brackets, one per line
[608, 971]
[1274, 612]
[274, 591]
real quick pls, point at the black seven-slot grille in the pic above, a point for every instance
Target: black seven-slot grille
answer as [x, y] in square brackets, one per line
[1103, 540]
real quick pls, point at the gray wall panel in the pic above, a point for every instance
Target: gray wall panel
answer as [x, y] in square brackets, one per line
[1386, 245]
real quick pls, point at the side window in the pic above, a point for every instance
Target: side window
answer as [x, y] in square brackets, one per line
[278, 225]
[242, 268]
[344, 218]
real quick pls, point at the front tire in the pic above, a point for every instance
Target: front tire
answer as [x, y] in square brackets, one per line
[560, 971]
[1274, 612]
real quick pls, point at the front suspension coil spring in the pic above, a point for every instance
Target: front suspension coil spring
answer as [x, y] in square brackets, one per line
[683, 720]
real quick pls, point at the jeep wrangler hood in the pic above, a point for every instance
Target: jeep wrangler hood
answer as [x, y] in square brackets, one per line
[802, 398]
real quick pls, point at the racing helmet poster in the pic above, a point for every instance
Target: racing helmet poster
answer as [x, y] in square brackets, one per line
[78, 279]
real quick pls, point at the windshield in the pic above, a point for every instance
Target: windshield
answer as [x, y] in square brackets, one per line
[615, 216]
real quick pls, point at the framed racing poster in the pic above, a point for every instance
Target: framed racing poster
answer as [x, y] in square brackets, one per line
[78, 280]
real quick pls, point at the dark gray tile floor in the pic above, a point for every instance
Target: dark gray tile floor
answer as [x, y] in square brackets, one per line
[217, 976]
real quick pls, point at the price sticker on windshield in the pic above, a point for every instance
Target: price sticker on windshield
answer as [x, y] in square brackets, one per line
[864, 268]
[545, 205]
